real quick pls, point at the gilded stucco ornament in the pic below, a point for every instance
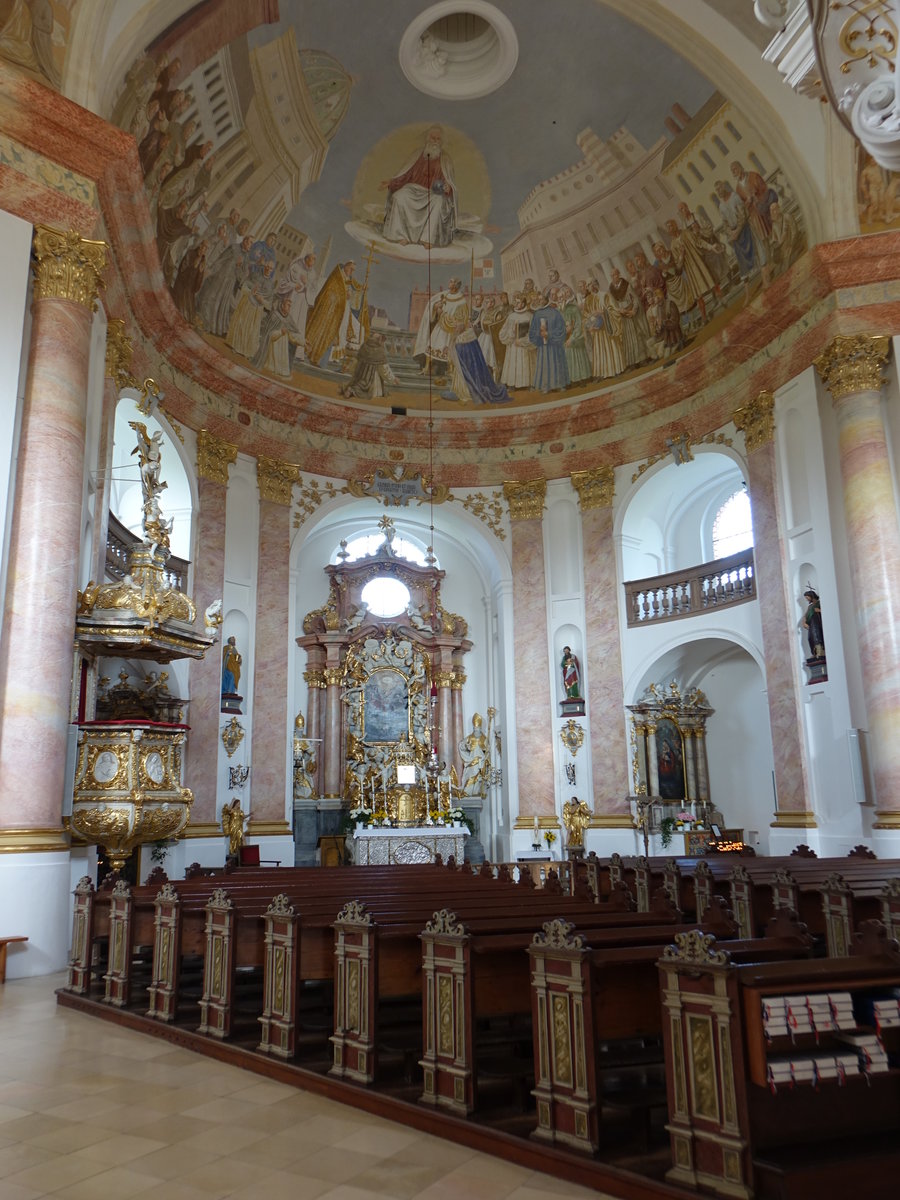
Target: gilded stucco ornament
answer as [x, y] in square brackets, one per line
[525, 499]
[572, 736]
[276, 479]
[119, 350]
[595, 488]
[757, 421]
[232, 736]
[855, 363]
[214, 456]
[67, 266]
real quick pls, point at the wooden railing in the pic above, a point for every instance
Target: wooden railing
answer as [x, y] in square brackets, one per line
[695, 590]
[120, 541]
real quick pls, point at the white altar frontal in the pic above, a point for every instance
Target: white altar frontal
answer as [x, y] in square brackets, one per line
[374, 847]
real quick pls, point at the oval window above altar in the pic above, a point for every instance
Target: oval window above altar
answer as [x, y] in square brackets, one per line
[385, 597]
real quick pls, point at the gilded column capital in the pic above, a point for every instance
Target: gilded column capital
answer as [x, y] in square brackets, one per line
[756, 420]
[596, 488]
[314, 678]
[334, 676]
[67, 266]
[275, 479]
[854, 363]
[214, 455]
[459, 679]
[118, 354]
[444, 679]
[525, 500]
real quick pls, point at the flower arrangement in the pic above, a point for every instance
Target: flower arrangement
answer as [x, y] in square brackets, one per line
[666, 829]
[685, 817]
[549, 837]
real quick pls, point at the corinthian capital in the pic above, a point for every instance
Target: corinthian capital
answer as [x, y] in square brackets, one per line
[595, 488]
[525, 500]
[854, 363]
[275, 479]
[756, 420]
[67, 266]
[214, 456]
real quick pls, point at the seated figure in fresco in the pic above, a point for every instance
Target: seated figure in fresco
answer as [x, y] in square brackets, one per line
[421, 200]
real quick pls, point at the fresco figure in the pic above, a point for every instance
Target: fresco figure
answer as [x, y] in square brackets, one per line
[299, 284]
[421, 200]
[548, 333]
[441, 321]
[635, 331]
[520, 356]
[737, 228]
[372, 376]
[338, 319]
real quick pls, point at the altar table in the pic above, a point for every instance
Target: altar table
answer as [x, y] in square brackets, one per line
[379, 847]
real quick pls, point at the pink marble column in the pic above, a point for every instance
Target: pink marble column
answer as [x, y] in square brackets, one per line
[852, 369]
[36, 656]
[315, 723]
[213, 459]
[534, 705]
[757, 420]
[271, 724]
[603, 665]
[333, 758]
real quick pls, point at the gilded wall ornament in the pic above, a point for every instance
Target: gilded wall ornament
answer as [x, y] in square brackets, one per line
[119, 350]
[525, 499]
[757, 421]
[595, 488]
[276, 479]
[855, 363]
[232, 736]
[397, 487]
[67, 266]
[572, 736]
[679, 446]
[214, 456]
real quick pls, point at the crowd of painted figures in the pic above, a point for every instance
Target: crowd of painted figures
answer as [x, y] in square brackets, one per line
[226, 281]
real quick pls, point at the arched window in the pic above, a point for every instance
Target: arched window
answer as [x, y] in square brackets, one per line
[733, 526]
[384, 596]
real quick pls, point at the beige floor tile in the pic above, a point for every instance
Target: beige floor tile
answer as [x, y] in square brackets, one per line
[120, 1183]
[337, 1166]
[172, 1162]
[19, 1156]
[56, 1173]
[224, 1139]
[14, 1191]
[222, 1176]
[279, 1185]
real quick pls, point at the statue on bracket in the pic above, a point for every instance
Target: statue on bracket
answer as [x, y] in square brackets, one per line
[570, 667]
[816, 664]
[231, 677]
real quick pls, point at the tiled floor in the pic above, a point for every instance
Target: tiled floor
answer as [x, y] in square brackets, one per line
[89, 1110]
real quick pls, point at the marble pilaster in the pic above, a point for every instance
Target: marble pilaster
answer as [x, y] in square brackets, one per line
[36, 656]
[609, 754]
[534, 705]
[852, 369]
[757, 420]
[213, 459]
[271, 721]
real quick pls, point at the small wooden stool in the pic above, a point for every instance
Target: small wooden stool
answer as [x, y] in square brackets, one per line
[4, 942]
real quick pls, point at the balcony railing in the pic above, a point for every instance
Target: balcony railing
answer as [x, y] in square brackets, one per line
[120, 541]
[695, 590]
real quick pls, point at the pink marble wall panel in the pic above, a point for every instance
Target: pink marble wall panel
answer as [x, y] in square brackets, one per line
[268, 779]
[604, 663]
[873, 538]
[533, 700]
[779, 643]
[36, 656]
[206, 675]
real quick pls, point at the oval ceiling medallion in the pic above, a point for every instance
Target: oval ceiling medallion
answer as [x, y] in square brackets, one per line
[459, 51]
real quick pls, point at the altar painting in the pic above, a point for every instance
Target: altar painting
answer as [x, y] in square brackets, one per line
[386, 707]
[670, 760]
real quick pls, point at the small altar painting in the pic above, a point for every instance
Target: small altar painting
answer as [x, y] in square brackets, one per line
[670, 760]
[386, 716]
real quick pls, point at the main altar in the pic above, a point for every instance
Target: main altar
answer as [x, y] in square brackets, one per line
[386, 716]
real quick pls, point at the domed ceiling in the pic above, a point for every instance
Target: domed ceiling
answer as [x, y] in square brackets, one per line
[467, 206]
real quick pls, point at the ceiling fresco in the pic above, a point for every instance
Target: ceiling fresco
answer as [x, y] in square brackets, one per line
[407, 207]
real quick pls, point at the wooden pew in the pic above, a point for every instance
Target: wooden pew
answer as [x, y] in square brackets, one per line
[585, 995]
[735, 1132]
